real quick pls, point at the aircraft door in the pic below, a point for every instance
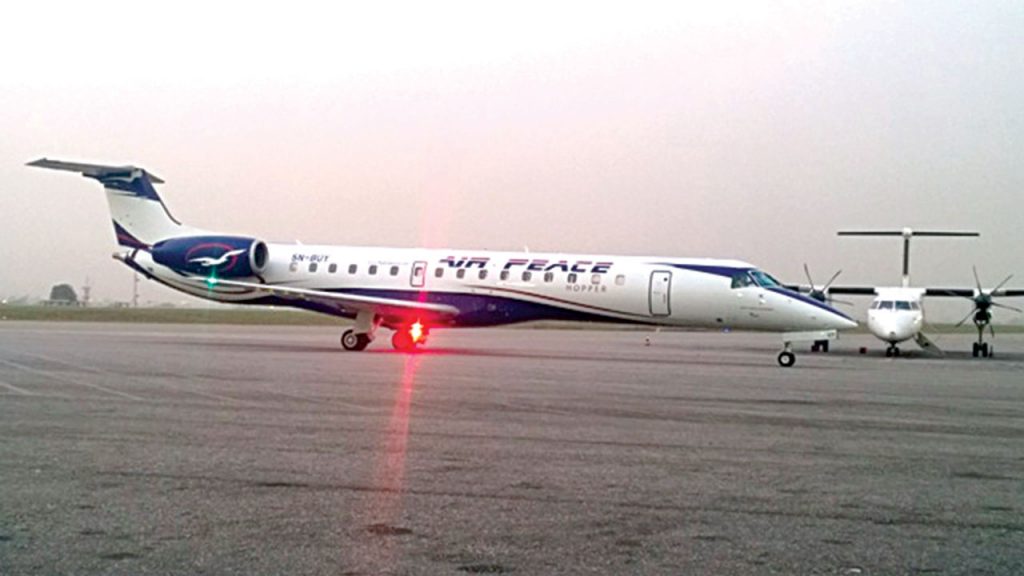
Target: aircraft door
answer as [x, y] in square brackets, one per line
[660, 291]
[419, 274]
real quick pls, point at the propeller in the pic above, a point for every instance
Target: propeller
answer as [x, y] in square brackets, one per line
[984, 301]
[821, 294]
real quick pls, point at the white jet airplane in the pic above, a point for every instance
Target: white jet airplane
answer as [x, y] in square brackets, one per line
[897, 313]
[414, 291]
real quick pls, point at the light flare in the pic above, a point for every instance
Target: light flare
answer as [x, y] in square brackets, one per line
[416, 332]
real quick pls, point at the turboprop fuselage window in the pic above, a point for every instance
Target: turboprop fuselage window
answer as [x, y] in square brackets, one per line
[461, 273]
[312, 266]
[394, 270]
[503, 275]
[332, 268]
[352, 268]
[438, 272]
[373, 270]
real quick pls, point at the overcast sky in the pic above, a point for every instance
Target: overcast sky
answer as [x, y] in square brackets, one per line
[750, 130]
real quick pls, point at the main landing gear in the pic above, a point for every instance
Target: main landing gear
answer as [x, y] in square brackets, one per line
[354, 342]
[405, 339]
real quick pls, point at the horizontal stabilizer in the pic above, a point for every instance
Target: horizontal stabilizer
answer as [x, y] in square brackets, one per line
[97, 171]
[907, 232]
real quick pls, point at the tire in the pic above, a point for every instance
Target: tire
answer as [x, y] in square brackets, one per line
[984, 349]
[786, 359]
[401, 340]
[975, 350]
[354, 342]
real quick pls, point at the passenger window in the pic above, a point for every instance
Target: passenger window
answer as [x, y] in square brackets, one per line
[503, 275]
[620, 280]
[595, 278]
[549, 276]
[352, 268]
[394, 270]
[312, 266]
[483, 274]
[438, 272]
[571, 278]
[373, 270]
[332, 268]
[526, 276]
[461, 273]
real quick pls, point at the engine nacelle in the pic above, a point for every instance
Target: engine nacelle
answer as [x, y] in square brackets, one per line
[218, 256]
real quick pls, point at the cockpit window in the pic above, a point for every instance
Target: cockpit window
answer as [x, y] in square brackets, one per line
[902, 305]
[886, 305]
[915, 306]
[763, 279]
[742, 280]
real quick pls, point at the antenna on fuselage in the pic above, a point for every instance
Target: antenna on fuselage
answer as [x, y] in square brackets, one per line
[907, 234]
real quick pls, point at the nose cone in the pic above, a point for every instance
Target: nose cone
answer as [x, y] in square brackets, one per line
[818, 315]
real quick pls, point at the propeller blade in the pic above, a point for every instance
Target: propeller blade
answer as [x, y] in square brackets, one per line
[977, 280]
[807, 272]
[998, 305]
[966, 318]
[1001, 284]
[831, 280]
[992, 329]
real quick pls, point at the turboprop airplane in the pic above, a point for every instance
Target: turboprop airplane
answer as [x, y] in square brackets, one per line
[414, 291]
[897, 313]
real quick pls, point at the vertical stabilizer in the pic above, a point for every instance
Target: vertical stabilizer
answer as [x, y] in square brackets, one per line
[140, 217]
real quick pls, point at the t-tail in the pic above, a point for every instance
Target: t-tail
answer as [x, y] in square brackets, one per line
[140, 217]
[153, 237]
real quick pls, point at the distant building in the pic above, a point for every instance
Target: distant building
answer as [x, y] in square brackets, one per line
[63, 295]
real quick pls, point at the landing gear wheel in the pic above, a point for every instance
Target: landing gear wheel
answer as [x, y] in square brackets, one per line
[892, 351]
[975, 350]
[824, 346]
[354, 342]
[401, 340]
[786, 359]
[984, 350]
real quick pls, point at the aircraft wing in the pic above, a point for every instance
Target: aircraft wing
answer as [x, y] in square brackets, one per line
[971, 292]
[851, 290]
[389, 308]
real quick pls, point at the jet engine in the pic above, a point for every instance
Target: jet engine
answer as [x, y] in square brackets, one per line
[216, 256]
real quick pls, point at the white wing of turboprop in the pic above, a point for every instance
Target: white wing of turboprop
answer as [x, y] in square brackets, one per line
[386, 307]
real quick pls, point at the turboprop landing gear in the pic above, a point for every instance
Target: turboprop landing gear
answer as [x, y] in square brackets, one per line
[819, 346]
[982, 349]
[892, 351]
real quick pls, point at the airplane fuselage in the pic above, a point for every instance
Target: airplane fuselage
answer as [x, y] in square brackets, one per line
[494, 288]
[896, 314]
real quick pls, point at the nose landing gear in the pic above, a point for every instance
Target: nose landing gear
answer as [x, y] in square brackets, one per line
[893, 351]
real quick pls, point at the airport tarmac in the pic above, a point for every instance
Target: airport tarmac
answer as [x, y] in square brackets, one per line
[161, 449]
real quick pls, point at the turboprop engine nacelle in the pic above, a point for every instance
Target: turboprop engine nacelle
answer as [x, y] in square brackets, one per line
[217, 256]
